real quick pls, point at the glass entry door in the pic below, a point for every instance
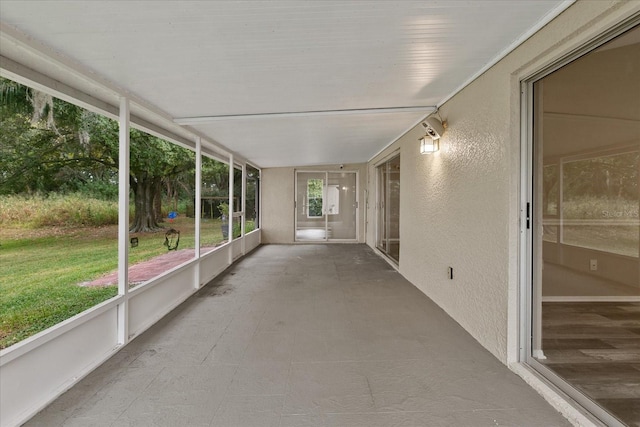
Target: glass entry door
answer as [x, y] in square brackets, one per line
[388, 207]
[326, 206]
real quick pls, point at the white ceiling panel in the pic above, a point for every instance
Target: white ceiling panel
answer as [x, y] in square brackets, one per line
[220, 58]
[310, 140]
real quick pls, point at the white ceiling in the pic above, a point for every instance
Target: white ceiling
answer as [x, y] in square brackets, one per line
[280, 83]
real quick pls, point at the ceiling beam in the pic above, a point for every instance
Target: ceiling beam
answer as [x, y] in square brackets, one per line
[208, 119]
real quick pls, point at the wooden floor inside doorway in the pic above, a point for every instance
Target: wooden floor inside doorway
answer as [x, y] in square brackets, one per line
[595, 346]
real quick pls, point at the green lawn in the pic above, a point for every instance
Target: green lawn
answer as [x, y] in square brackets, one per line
[41, 272]
[38, 287]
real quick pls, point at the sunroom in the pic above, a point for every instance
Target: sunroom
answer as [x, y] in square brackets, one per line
[374, 195]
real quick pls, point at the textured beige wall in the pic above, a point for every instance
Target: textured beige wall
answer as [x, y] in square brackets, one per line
[460, 207]
[277, 205]
[278, 200]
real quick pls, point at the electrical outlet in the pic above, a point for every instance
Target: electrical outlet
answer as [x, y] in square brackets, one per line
[593, 265]
[450, 273]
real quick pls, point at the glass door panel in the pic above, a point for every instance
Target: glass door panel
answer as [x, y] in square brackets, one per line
[393, 208]
[388, 235]
[585, 313]
[341, 205]
[381, 235]
[311, 221]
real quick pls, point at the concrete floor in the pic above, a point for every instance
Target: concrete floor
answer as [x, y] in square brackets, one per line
[306, 335]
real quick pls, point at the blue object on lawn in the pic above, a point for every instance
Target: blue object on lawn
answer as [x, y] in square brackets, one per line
[173, 215]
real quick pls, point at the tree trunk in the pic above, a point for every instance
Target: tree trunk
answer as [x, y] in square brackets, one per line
[145, 219]
[157, 201]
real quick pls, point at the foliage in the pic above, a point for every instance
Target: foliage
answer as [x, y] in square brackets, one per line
[27, 159]
[249, 226]
[99, 189]
[314, 194]
[154, 165]
[56, 210]
[14, 98]
[48, 145]
[606, 176]
[253, 193]
[600, 208]
[43, 142]
[611, 177]
[215, 178]
[224, 210]
[315, 207]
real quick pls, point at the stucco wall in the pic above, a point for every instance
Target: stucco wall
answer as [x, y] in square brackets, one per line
[278, 189]
[460, 207]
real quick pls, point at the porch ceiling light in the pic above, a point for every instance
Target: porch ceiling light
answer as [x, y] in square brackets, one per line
[434, 129]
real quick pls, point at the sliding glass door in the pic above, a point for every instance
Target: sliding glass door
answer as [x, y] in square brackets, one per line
[326, 206]
[341, 206]
[388, 208]
[585, 234]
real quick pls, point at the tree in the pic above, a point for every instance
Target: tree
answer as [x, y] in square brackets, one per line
[48, 145]
[215, 177]
[36, 155]
[153, 163]
[610, 177]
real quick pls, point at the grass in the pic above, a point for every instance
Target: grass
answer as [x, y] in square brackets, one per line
[38, 287]
[57, 211]
[42, 269]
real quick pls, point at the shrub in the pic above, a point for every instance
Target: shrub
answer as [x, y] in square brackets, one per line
[56, 210]
[99, 190]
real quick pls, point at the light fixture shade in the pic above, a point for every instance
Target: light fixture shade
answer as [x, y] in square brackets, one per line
[429, 145]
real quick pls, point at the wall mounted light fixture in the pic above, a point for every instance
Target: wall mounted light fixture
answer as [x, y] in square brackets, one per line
[428, 145]
[431, 141]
